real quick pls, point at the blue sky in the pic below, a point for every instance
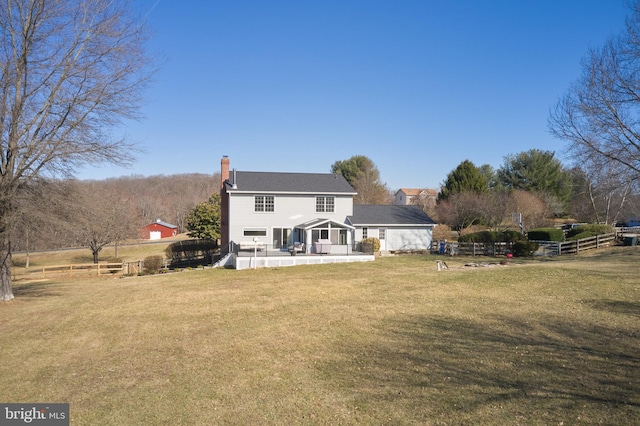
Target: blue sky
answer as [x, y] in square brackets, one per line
[417, 86]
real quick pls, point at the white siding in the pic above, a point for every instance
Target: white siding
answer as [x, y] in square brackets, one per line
[290, 211]
[409, 238]
[399, 238]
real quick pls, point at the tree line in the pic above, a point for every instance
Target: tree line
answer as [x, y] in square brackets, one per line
[530, 190]
[94, 213]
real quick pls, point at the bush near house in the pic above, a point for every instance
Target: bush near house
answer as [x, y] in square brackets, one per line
[370, 245]
[546, 234]
[153, 264]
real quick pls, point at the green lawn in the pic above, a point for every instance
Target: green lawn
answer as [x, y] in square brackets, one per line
[385, 342]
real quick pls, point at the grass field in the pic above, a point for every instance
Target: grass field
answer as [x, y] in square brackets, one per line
[387, 342]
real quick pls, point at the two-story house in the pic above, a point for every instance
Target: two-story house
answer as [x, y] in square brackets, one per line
[279, 209]
[276, 210]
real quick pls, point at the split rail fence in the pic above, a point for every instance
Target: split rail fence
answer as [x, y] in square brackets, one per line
[551, 248]
[85, 268]
[546, 248]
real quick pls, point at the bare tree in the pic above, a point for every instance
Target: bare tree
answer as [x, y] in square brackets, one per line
[533, 208]
[70, 71]
[598, 116]
[600, 192]
[363, 175]
[100, 216]
[493, 208]
[459, 211]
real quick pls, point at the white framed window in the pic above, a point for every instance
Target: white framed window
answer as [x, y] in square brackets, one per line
[325, 204]
[254, 232]
[382, 234]
[365, 233]
[264, 203]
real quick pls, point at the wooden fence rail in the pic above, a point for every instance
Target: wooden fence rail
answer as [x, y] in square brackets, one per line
[548, 248]
[85, 268]
[574, 247]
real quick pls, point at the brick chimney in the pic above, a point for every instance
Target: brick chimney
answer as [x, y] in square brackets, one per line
[224, 170]
[224, 205]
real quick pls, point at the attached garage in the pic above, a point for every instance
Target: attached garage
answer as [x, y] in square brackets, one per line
[398, 227]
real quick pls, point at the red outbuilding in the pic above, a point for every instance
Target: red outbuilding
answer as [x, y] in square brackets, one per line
[158, 230]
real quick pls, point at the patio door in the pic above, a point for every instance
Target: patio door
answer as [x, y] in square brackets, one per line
[281, 237]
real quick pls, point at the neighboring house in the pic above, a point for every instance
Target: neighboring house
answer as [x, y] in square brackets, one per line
[408, 196]
[158, 230]
[276, 210]
[397, 227]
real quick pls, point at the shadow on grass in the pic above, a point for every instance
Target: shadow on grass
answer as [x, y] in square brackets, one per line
[437, 367]
[616, 306]
[34, 289]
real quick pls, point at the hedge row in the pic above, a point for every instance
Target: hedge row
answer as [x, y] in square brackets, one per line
[492, 237]
[546, 234]
[591, 229]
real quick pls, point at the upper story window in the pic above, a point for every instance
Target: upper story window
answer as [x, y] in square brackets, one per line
[325, 204]
[264, 203]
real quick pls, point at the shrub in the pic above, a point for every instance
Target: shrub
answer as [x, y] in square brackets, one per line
[524, 248]
[370, 245]
[581, 235]
[492, 237]
[511, 236]
[546, 234]
[594, 229]
[479, 237]
[153, 264]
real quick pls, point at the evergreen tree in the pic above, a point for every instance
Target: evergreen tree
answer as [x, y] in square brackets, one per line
[536, 171]
[204, 219]
[464, 178]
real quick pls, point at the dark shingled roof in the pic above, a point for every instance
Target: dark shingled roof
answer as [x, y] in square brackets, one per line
[373, 214]
[289, 182]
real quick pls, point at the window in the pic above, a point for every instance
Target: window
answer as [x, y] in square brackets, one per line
[365, 232]
[325, 204]
[264, 203]
[382, 234]
[255, 232]
[339, 236]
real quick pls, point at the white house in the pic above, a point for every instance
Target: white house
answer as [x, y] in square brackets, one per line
[398, 227]
[277, 210]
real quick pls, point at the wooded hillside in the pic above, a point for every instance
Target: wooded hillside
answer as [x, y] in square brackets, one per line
[74, 213]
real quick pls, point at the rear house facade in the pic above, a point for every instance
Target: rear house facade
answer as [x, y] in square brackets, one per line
[275, 210]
